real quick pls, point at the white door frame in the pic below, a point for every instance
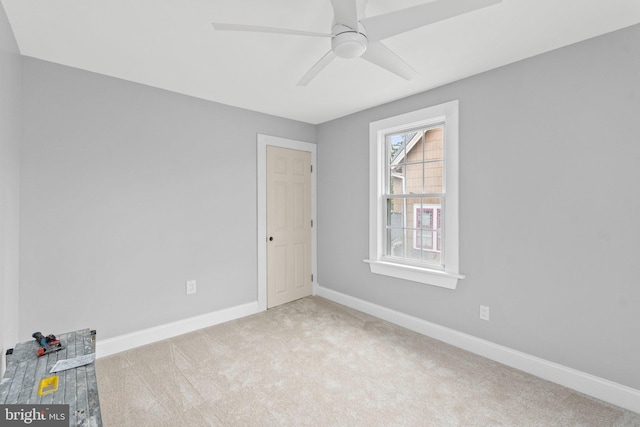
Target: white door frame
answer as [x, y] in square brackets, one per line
[263, 142]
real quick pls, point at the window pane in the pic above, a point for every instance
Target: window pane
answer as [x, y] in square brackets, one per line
[395, 149]
[414, 178]
[424, 218]
[434, 147]
[433, 172]
[395, 212]
[395, 242]
[413, 236]
[396, 180]
[427, 215]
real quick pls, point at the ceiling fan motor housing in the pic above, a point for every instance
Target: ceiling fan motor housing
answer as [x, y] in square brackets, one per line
[348, 43]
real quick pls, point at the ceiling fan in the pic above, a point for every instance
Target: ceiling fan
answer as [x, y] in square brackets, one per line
[353, 35]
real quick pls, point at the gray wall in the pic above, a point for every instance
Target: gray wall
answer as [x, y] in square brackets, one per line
[549, 208]
[10, 66]
[128, 191]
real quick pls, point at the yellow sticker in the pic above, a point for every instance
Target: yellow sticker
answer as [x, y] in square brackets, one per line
[48, 385]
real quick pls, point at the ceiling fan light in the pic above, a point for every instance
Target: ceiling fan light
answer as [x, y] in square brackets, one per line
[349, 44]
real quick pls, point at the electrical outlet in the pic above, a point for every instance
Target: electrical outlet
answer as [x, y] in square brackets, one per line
[484, 312]
[191, 287]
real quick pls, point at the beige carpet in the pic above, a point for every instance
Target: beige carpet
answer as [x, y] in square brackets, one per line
[316, 363]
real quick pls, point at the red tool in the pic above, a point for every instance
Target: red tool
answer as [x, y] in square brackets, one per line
[48, 344]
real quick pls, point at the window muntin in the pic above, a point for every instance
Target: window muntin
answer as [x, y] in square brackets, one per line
[414, 193]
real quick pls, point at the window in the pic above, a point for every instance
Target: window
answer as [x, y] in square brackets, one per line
[414, 193]
[414, 196]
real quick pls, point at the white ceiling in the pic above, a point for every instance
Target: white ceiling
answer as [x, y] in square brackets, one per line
[171, 44]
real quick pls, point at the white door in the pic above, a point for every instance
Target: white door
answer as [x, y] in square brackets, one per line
[288, 225]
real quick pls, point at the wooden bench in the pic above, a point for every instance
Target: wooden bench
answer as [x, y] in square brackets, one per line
[77, 387]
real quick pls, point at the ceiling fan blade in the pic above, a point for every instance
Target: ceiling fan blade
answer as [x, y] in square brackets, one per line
[382, 56]
[319, 66]
[390, 24]
[257, 29]
[345, 12]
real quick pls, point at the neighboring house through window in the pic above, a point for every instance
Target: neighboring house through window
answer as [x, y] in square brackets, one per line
[414, 196]
[427, 235]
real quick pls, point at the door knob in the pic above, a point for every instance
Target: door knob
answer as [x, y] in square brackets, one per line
[271, 239]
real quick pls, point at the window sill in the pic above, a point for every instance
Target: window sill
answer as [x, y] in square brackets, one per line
[442, 279]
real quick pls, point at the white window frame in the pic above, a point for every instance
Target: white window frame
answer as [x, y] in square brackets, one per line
[447, 115]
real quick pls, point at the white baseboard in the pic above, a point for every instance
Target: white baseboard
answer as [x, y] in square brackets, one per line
[600, 388]
[120, 343]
